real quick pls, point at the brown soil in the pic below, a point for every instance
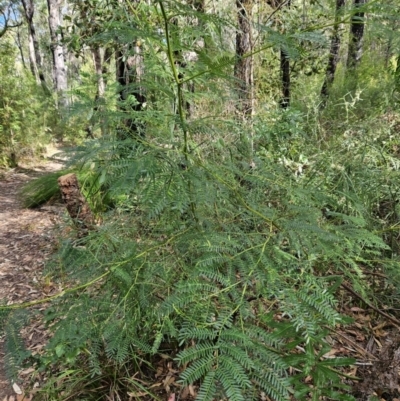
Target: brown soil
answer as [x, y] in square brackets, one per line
[26, 241]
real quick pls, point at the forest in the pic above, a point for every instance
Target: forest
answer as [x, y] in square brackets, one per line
[223, 223]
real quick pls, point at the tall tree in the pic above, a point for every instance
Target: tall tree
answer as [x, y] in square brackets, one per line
[130, 70]
[101, 87]
[334, 51]
[34, 53]
[57, 50]
[356, 34]
[285, 68]
[200, 8]
[276, 5]
[285, 78]
[18, 42]
[243, 70]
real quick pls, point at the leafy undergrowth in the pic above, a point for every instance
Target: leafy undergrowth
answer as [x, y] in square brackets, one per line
[215, 277]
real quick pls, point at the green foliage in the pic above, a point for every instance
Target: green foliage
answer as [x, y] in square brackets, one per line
[226, 243]
[198, 263]
[40, 190]
[16, 353]
[25, 113]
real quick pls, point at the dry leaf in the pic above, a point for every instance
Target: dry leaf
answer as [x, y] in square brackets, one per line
[27, 371]
[137, 394]
[24, 397]
[192, 390]
[184, 393]
[159, 372]
[168, 380]
[16, 388]
[331, 353]
[171, 397]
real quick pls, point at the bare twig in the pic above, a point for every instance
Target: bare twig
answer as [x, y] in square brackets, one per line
[356, 346]
[391, 318]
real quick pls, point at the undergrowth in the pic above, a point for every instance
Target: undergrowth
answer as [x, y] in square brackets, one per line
[223, 257]
[225, 267]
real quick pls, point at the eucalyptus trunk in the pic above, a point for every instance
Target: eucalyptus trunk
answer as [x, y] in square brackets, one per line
[243, 70]
[19, 45]
[356, 35]
[35, 59]
[57, 50]
[285, 78]
[98, 66]
[200, 7]
[285, 68]
[101, 86]
[334, 51]
[108, 55]
[130, 71]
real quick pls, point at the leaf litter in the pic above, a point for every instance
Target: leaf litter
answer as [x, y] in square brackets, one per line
[26, 241]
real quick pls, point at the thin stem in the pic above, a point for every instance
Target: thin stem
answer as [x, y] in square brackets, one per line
[179, 84]
[178, 81]
[58, 295]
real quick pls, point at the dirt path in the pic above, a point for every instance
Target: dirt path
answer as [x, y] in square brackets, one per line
[25, 242]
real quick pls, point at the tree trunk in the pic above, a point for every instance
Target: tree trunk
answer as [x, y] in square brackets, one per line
[356, 35]
[397, 75]
[200, 7]
[283, 56]
[285, 78]
[59, 67]
[285, 68]
[130, 72]
[108, 52]
[34, 53]
[76, 204]
[99, 97]
[19, 45]
[334, 51]
[243, 70]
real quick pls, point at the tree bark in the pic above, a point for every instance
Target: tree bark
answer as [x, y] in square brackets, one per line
[243, 70]
[397, 75]
[76, 204]
[285, 78]
[57, 50]
[200, 7]
[356, 35]
[108, 53]
[130, 71]
[285, 69]
[283, 56]
[334, 51]
[101, 86]
[98, 66]
[34, 53]
[19, 45]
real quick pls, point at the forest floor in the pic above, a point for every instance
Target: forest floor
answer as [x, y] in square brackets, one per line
[26, 241]
[28, 237]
